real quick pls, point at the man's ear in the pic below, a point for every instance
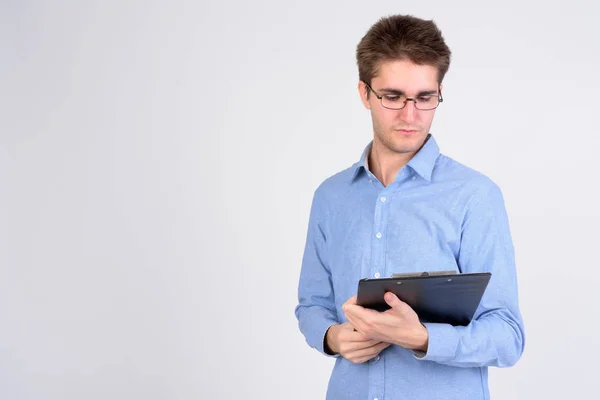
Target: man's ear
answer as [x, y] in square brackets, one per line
[363, 91]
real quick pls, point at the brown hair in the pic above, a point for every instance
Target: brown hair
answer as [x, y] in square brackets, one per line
[402, 37]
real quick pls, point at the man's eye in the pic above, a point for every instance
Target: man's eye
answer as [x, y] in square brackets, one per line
[424, 99]
[392, 98]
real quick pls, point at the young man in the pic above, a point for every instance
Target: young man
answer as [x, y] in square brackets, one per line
[404, 207]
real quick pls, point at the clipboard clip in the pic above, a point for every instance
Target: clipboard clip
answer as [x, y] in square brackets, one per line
[421, 274]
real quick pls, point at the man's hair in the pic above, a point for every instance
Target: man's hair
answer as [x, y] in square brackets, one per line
[402, 37]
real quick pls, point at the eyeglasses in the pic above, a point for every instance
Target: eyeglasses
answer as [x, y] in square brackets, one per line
[398, 101]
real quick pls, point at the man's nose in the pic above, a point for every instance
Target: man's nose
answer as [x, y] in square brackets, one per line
[408, 111]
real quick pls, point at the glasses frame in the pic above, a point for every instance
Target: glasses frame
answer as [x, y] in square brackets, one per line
[414, 100]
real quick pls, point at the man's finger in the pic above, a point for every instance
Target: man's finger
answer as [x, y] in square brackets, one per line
[351, 301]
[393, 301]
[364, 354]
[350, 307]
[355, 336]
[352, 333]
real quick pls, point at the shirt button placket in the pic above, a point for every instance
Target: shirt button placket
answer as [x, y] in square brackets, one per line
[376, 372]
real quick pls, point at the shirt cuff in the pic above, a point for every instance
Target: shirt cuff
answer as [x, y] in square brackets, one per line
[443, 343]
[317, 334]
[326, 350]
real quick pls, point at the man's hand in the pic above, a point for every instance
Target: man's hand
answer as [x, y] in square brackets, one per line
[352, 345]
[399, 325]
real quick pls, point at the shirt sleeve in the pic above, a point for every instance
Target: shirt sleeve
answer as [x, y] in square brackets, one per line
[495, 336]
[316, 310]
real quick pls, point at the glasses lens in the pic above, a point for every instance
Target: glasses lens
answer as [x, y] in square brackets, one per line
[394, 102]
[427, 102]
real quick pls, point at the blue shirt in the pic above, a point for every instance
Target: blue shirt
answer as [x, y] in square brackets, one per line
[436, 215]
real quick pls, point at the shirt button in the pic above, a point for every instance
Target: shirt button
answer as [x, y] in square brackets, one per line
[414, 177]
[376, 398]
[383, 199]
[375, 359]
[376, 275]
[379, 235]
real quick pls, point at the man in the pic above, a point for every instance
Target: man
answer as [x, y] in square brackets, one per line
[404, 207]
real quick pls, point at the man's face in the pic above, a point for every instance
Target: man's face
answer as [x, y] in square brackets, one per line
[405, 130]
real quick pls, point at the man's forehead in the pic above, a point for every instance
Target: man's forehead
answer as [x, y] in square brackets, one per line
[405, 75]
[404, 66]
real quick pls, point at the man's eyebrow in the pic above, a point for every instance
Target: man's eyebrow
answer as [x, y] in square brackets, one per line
[400, 92]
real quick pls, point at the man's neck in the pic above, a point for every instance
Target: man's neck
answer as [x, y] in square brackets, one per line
[385, 164]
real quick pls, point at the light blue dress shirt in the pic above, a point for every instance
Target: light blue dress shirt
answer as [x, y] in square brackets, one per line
[436, 215]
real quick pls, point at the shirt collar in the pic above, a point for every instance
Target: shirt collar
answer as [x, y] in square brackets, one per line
[362, 163]
[422, 163]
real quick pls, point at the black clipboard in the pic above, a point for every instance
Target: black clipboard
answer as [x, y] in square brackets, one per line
[451, 299]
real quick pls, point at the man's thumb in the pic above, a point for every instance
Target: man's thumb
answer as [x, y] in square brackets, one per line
[392, 300]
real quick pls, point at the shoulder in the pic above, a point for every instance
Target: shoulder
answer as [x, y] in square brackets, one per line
[338, 181]
[477, 189]
[447, 169]
[335, 186]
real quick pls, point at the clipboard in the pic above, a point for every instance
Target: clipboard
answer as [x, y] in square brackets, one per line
[443, 298]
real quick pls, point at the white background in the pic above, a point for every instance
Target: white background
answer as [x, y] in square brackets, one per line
[158, 159]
